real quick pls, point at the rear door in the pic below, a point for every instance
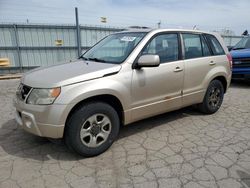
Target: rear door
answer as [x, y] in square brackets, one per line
[198, 62]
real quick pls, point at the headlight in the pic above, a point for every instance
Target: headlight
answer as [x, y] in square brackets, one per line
[43, 96]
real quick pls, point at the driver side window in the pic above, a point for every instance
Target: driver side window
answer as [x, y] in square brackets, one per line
[164, 45]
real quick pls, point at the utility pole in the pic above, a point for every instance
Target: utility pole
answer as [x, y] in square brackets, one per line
[159, 24]
[78, 37]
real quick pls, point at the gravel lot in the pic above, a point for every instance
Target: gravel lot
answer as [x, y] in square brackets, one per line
[178, 149]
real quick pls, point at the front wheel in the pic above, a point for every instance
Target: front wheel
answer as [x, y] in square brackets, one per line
[213, 98]
[92, 129]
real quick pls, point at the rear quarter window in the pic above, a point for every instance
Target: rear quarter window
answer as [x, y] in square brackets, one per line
[215, 45]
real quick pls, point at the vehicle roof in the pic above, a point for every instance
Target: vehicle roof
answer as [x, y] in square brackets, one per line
[165, 30]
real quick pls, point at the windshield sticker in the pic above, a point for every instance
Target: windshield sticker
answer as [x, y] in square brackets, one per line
[128, 39]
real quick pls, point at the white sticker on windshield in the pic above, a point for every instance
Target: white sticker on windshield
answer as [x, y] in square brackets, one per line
[128, 39]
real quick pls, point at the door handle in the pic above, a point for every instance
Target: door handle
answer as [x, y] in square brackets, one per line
[178, 69]
[212, 63]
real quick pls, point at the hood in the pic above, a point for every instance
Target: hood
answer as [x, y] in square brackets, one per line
[243, 53]
[68, 73]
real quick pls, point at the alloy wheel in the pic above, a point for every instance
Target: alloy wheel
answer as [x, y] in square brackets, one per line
[95, 130]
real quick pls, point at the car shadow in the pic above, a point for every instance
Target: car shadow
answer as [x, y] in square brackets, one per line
[16, 142]
[240, 84]
[245, 177]
[156, 121]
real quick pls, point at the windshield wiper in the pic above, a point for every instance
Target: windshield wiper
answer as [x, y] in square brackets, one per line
[92, 59]
[96, 59]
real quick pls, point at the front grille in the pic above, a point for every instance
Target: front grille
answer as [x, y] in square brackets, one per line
[241, 63]
[238, 76]
[23, 91]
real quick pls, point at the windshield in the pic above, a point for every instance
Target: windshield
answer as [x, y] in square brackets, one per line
[244, 43]
[114, 48]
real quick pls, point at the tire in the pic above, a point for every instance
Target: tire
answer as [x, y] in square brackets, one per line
[92, 129]
[248, 81]
[213, 98]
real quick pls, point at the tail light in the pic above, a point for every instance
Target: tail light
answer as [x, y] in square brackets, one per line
[230, 60]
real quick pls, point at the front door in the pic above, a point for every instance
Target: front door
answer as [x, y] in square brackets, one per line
[157, 90]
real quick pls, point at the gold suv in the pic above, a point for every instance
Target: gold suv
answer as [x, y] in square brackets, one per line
[126, 77]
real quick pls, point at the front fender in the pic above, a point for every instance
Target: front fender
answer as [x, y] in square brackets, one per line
[73, 94]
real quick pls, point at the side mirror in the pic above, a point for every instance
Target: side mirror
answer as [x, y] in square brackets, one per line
[148, 61]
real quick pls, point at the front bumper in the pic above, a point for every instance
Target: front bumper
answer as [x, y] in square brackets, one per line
[241, 73]
[42, 120]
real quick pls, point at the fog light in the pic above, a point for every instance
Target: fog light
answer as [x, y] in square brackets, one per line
[27, 122]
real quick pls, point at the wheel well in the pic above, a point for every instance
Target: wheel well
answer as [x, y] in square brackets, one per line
[109, 99]
[223, 80]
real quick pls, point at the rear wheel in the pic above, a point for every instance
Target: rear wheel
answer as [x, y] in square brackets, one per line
[213, 98]
[92, 129]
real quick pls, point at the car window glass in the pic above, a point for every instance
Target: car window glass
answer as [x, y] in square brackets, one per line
[164, 45]
[192, 44]
[205, 49]
[115, 48]
[114, 44]
[243, 43]
[215, 45]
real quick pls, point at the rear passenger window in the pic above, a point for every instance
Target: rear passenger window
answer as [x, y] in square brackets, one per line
[215, 45]
[164, 45]
[192, 44]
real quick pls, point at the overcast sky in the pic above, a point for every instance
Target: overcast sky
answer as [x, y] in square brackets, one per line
[205, 14]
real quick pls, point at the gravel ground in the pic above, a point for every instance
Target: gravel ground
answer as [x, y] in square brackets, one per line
[178, 149]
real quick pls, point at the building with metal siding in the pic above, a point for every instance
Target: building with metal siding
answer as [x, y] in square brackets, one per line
[29, 45]
[37, 45]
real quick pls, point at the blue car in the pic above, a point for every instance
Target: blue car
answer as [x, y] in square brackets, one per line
[241, 59]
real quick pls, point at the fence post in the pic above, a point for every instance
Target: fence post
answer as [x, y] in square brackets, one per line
[78, 37]
[18, 48]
